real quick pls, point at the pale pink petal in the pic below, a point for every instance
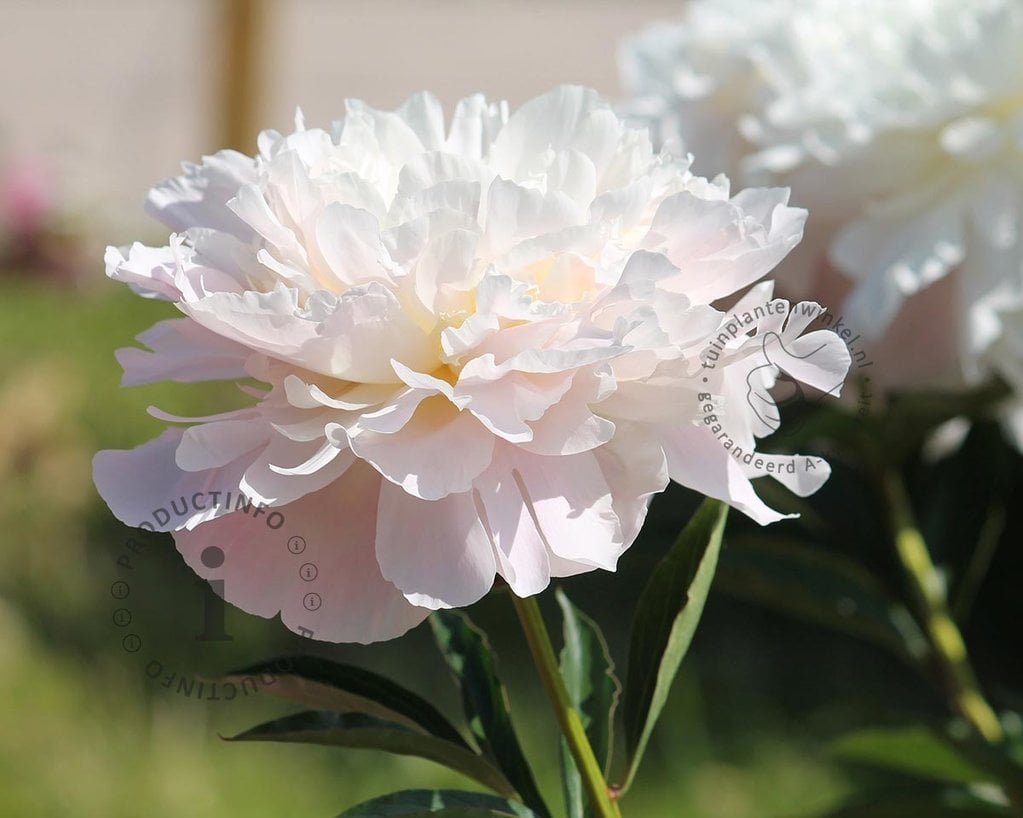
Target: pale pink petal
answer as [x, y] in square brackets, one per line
[181, 350]
[199, 197]
[634, 466]
[421, 456]
[506, 402]
[567, 117]
[213, 445]
[570, 426]
[571, 501]
[286, 469]
[144, 487]
[699, 461]
[150, 271]
[349, 242]
[801, 474]
[437, 552]
[522, 554]
[514, 213]
[346, 601]
[721, 247]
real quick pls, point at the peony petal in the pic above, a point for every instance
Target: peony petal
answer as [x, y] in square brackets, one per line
[150, 271]
[418, 457]
[199, 197]
[214, 445]
[366, 331]
[720, 246]
[514, 213]
[567, 117]
[522, 554]
[505, 403]
[144, 487]
[181, 350]
[264, 572]
[423, 114]
[474, 126]
[634, 466]
[570, 426]
[348, 239]
[436, 552]
[571, 502]
[699, 461]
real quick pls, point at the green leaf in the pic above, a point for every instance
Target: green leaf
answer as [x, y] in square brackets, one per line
[669, 611]
[916, 750]
[822, 587]
[947, 802]
[327, 685]
[819, 419]
[471, 659]
[593, 688]
[362, 731]
[576, 803]
[911, 416]
[449, 803]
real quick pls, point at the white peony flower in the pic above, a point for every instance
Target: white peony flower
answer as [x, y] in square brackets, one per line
[484, 347]
[900, 127]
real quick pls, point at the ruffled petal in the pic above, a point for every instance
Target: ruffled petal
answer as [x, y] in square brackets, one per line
[328, 536]
[436, 552]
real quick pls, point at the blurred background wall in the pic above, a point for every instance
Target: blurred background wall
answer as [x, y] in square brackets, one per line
[108, 96]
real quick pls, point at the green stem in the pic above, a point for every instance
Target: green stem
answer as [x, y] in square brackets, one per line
[929, 595]
[987, 544]
[568, 717]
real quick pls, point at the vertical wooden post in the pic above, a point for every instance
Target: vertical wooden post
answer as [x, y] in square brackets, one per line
[240, 42]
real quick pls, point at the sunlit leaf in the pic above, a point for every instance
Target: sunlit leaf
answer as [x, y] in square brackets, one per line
[916, 750]
[666, 619]
[593, 688]
[471, 659]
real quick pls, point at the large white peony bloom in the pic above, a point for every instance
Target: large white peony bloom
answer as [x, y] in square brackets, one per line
[485, 346]
[899, 125]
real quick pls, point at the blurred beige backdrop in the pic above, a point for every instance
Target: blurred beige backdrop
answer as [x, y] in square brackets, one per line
[111, 95]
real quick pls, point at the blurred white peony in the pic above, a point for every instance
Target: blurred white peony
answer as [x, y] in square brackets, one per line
[899, 125]
[485, 346]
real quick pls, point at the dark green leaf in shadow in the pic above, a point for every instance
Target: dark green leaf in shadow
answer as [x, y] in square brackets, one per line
[821, 587]
[946, 802]
[362, 731]
[666, 619]
[912, 415]
[472, 661]
[588, 671]
[446, 803]
[327, 685]
[915, 749]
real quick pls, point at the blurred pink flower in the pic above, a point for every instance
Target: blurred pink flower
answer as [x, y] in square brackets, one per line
[485, 347]
[26, 198]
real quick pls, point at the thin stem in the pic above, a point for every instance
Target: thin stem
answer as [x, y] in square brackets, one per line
[568, 717]
[987, 544]
[929, 595]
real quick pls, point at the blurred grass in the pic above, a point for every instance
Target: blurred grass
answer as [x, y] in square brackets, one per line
[86, 734]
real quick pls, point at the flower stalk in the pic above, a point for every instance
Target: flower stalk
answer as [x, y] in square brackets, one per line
[539, 641]
[932, 608]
